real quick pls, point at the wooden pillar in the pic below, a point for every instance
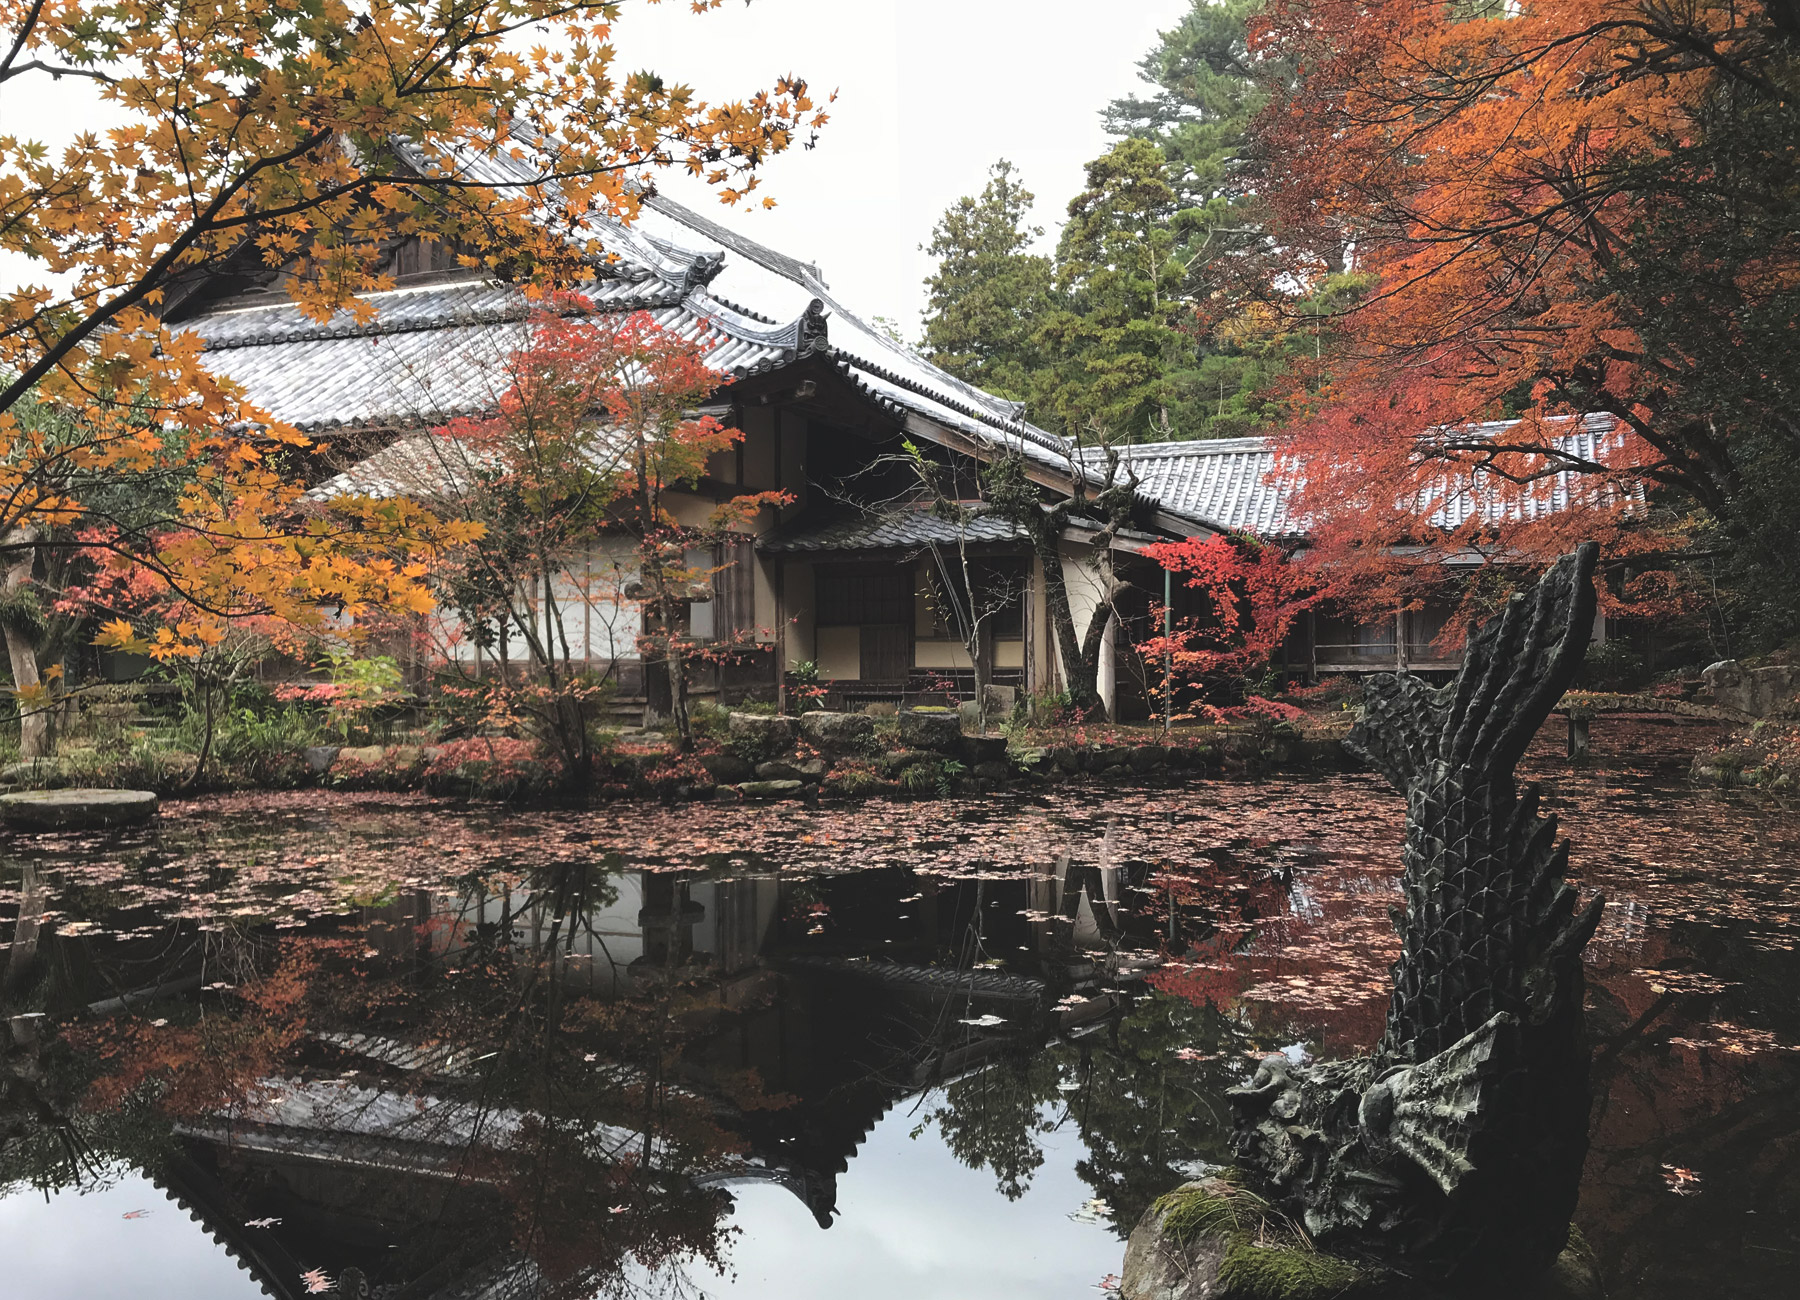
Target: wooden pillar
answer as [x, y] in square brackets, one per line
[1579, 724]
[781, 629]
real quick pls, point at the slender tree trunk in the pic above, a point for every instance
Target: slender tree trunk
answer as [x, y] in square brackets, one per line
[22, 955]
[981, 653]
[36, 736]
[1081, 681]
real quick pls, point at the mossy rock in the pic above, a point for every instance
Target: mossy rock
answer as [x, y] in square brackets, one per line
[1214, 1240]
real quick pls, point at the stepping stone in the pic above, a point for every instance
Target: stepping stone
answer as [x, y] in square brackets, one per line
[75, 810]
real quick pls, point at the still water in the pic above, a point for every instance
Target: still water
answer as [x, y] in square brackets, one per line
[333, 1044]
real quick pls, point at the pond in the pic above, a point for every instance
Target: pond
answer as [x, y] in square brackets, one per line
[323, 1044]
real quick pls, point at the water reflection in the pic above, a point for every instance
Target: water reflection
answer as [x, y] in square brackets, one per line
[489, 1062]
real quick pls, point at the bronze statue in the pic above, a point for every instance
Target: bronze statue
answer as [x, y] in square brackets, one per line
[1454, 1153]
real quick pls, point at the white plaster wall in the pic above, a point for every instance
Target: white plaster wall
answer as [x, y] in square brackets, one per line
[840, 653]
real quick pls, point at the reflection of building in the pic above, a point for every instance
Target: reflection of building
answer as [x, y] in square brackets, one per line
[416, 1146]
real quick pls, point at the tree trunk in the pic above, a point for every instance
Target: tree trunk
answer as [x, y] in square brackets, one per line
[1093, 645]
[981, 657]
[1082, 684]
[22, 954]
[678, 705]
[36, 736]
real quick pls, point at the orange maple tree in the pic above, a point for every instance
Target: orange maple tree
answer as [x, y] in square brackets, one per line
[1562, 207]
[596, 427]
[304, 135]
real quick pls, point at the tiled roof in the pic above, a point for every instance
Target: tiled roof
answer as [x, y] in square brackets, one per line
[429, 352]
[905, 528]
[432, 352]
[1236, 483]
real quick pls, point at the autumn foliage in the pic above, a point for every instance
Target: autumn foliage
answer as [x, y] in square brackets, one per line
[596, 423]
[1562, 208]
[257, 136]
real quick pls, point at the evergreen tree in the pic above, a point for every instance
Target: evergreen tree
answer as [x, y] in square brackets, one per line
[1116, 338]
[1208, 89]
[989, 292]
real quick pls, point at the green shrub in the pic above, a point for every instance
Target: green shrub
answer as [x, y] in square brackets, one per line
[922, 777]
[1612, 666]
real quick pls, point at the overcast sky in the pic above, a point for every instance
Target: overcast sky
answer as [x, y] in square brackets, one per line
[929, 93]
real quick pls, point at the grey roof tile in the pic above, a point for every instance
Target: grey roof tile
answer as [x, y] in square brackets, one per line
[906, 528]
[1238, 485]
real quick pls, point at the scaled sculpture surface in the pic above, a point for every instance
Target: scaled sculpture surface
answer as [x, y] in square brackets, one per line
[1454, 1153]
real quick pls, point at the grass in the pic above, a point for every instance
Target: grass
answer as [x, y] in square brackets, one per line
[1266, 1257]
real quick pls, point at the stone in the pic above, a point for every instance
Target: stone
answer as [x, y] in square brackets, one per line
[776, 770]
[1176, 1254]
[772, 730]
[1105, 756]
[33, 769]
[838, 732]
[319, 758]
[77, 809]
[993, 771]
[939, 730]
[367, 755]
[813, 769]
[1207, 1241]
[406, 755]
[1454, 1151]
[899, 760]
[727, 768]
[1769, 692]
[770, 789]
[983, 749]
[1147, 758]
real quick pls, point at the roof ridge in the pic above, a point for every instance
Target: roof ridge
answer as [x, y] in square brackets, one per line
[1022, 429]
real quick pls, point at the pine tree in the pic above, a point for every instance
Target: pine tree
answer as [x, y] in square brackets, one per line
[989, 292]
[1116, 337]
[1208, 90]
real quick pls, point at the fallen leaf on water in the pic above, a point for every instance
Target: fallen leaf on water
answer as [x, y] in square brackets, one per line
[1683, 1182]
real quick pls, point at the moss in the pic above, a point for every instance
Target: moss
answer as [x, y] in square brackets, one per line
[1265, 1258]
[1286, 1270]
[1190, 1212]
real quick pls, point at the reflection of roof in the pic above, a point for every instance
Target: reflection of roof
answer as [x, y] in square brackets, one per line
[1236, 483]
[889, 529]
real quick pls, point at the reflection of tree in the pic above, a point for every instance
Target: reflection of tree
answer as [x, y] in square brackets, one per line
[1145, 1114]
[992, 1119]
[523, 1123]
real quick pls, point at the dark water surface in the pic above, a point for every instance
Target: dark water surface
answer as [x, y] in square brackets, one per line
[281, 1043]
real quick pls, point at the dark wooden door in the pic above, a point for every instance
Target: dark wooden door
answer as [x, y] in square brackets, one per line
[887, 651]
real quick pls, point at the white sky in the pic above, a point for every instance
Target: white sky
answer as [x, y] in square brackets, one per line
[930, 93]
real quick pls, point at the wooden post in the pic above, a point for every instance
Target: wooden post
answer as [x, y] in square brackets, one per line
[781, 634]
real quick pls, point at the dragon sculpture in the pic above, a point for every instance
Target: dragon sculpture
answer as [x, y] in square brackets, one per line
[1453, 1154]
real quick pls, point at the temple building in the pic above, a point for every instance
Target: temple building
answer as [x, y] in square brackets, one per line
[850, 580]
